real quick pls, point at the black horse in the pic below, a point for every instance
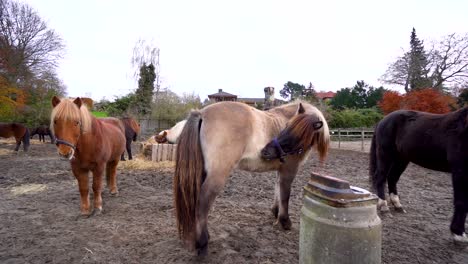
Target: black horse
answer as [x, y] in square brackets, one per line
[43, 131]
[434, 141]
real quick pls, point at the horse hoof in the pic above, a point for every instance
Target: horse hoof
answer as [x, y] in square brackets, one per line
[275, 211]
[384, 209]
[460, 239]
[400, 210]
[285, 223]
[114, 193]
[97, 212]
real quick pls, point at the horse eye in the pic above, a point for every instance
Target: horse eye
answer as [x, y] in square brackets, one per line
[55, 122]
[77, 123]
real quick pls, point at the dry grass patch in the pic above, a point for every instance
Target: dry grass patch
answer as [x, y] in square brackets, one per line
[142, 164]
[28, 188]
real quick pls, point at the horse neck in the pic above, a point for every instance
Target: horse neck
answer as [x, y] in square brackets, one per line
[89, 139]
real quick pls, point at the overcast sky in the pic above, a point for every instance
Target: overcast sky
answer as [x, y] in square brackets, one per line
[240, 46]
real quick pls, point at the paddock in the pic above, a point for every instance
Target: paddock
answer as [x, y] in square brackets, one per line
[39, 214]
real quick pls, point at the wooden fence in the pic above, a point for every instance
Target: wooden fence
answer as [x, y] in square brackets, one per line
[163, 152]
[353, 134]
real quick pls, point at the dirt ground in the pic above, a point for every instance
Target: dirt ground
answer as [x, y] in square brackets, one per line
[39, 205]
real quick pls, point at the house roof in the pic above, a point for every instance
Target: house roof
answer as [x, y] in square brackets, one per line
[220, 93]
[324, 95]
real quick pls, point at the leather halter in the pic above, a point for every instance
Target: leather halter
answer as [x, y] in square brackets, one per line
[283, 153]
[64, 142]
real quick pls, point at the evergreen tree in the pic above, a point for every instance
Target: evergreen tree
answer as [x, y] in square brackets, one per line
[418, 64]
[144, 92]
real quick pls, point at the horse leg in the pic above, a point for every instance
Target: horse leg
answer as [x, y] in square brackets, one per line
[397, 169]
[129, 149]
[18, 143]
[460, 193]
[81, 176]
[213, 184]
[286, 177]
[111, 176]
[275, 207]
[384, 166]
[97, 186]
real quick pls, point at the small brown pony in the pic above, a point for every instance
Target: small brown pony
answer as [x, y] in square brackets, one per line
[90, 144]
[20, 132]
[42, 131]
[132, 129]
[226, 135]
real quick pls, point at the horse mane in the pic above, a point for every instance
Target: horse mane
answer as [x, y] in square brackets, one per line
[130, 122]
[301, 126]
[68, 110]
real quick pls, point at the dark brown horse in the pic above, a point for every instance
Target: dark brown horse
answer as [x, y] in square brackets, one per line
[42, 131]
[90, 144]
[132, 129]
[20, 132]
[226, 135]
[434, 141]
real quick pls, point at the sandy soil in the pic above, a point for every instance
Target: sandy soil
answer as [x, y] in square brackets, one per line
[39, 205]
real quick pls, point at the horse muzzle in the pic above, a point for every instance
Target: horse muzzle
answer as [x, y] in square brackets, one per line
[66, 150]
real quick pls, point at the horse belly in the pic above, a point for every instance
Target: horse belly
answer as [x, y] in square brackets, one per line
[257, 165]
[433, 162]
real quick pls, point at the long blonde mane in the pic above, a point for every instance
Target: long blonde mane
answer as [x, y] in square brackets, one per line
[68, 110]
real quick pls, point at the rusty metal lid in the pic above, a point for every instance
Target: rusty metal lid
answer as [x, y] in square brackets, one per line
[337, 192]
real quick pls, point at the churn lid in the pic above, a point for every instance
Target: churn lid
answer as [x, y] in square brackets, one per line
[337, 192]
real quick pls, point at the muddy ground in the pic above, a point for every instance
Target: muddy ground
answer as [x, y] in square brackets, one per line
[39, 205]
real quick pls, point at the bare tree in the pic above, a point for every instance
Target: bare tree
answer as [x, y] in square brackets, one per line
[145, 54]
[448, 65]
[450, 61]
[27, 46]
[398, 72]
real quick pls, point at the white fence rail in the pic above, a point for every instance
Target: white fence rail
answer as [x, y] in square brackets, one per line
[353, 134]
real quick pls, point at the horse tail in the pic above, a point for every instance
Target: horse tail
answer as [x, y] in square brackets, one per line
[373, 162]
[188, 176]
[25, 139]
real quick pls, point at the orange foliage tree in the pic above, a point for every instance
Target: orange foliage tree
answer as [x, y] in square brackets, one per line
[427, 100]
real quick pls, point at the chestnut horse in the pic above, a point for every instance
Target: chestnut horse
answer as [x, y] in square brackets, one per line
[20, 132]
[226, 135]
[132, 129]
[90, 144]
[42, 131]
[433, 141]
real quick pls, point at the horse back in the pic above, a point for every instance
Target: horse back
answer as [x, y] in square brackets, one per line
[237, 132]
[422, 138]
[16, 130]
[111, 131]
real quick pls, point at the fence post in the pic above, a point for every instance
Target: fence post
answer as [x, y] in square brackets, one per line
[362, 139]
[339, 138]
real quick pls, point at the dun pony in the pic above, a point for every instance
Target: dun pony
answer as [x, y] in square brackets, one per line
[226, 135]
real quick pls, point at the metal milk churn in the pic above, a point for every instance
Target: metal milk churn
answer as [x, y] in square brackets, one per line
[339, 223]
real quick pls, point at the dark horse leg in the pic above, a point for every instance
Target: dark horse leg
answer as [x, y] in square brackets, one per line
[460, 194]
[280, 209]
[384, 166]
[18, 143]
[129, 148]
[397, 168]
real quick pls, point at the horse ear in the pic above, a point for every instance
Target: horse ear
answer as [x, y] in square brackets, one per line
[55, 101]
[78, 102]
[300, 109]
